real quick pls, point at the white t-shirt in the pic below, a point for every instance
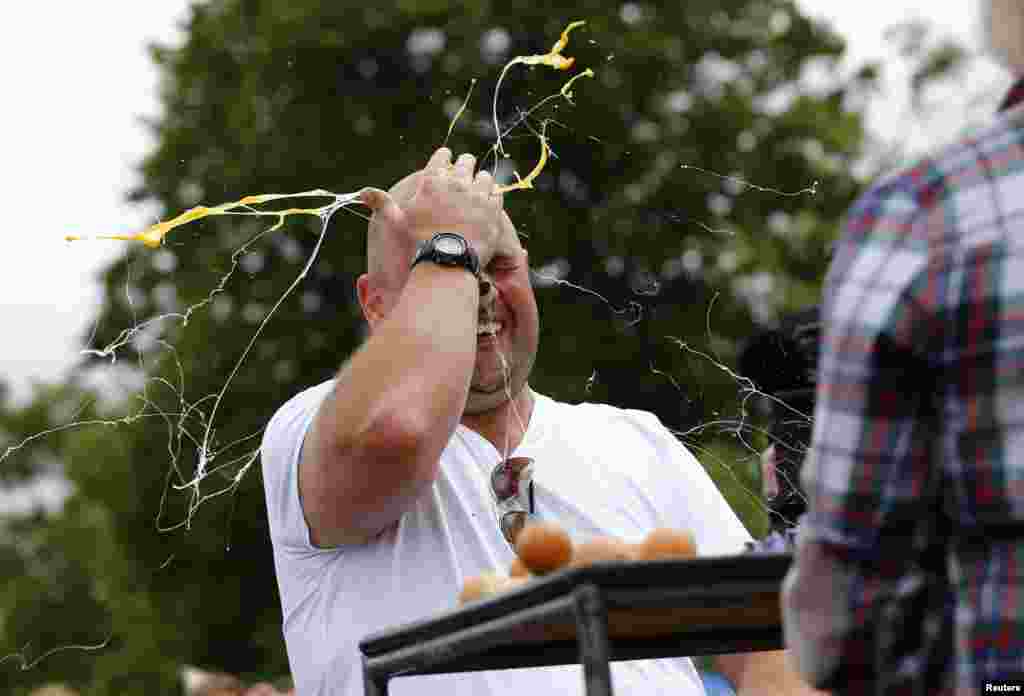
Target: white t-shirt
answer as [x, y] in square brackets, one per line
[598, 470]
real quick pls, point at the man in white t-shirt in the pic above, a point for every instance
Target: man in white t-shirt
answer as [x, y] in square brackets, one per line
[378, 481]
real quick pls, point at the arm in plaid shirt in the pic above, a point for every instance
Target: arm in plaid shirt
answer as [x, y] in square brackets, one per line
[922, 362]
[869, 464]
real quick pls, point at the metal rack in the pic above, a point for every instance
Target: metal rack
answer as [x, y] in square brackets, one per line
[592, 616]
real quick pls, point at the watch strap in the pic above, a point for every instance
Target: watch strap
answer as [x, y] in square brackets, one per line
[428, 251]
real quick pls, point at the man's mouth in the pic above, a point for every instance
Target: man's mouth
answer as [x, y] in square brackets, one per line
[487, 332]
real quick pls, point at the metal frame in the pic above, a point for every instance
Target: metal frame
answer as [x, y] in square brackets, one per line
[479, 638]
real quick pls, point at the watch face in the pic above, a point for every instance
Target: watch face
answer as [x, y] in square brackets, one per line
[449, 244]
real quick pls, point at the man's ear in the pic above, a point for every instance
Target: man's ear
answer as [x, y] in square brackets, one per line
[371, 299]
[364, 290]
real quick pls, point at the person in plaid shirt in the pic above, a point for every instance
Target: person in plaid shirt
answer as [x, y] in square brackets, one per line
[908, 576]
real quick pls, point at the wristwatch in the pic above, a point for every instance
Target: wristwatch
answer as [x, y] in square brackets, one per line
[448, 249]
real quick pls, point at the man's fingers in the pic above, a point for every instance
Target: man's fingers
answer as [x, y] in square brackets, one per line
[373, 198]
[441, 159]
[381, 203]
[464, 168]
[485, 186]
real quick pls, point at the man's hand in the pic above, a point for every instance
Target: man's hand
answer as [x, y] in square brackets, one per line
[265, 689]
[764, 674]
[444, 197]
[769, 478]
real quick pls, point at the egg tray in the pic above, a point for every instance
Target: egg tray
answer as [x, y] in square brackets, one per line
[591, 616]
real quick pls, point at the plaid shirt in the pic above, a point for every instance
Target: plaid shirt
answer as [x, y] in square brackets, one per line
[908, 576]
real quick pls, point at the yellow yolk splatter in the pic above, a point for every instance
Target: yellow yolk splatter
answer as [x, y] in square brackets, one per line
[154, 235]
[552, 58]
[545, 150]
[556, 60]
[455, 118]
[527, 183]
[566, 90]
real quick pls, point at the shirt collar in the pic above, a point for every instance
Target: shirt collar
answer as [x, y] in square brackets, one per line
[1014, 97]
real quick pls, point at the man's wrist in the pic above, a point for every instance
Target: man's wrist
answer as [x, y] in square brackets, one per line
[452, 274]
[448, 249]
[425, 263]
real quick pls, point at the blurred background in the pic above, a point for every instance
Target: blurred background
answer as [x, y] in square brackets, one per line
[698, 182]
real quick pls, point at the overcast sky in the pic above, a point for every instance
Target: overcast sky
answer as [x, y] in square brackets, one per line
[76, 80]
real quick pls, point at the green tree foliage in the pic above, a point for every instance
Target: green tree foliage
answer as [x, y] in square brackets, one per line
[639, 205]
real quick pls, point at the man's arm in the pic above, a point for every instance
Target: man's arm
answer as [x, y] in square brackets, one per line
[366, 459]
[868, 469]
[377, 439]
[767, 673]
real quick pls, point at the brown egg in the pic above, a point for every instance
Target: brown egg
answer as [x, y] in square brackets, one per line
[518, 569]
[543, 547]
[663, 543]
[480, 586]
[601, 549]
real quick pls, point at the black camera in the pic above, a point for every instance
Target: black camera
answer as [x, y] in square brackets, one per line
[782, 364]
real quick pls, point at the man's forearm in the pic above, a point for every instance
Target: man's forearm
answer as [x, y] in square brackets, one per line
[412, 375]
[764, 673]
[818, 614]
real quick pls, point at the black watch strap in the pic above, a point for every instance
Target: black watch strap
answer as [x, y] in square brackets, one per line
[448, 249]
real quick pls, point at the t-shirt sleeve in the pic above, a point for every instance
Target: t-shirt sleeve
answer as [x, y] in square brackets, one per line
[686, 496]
[279, 453]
